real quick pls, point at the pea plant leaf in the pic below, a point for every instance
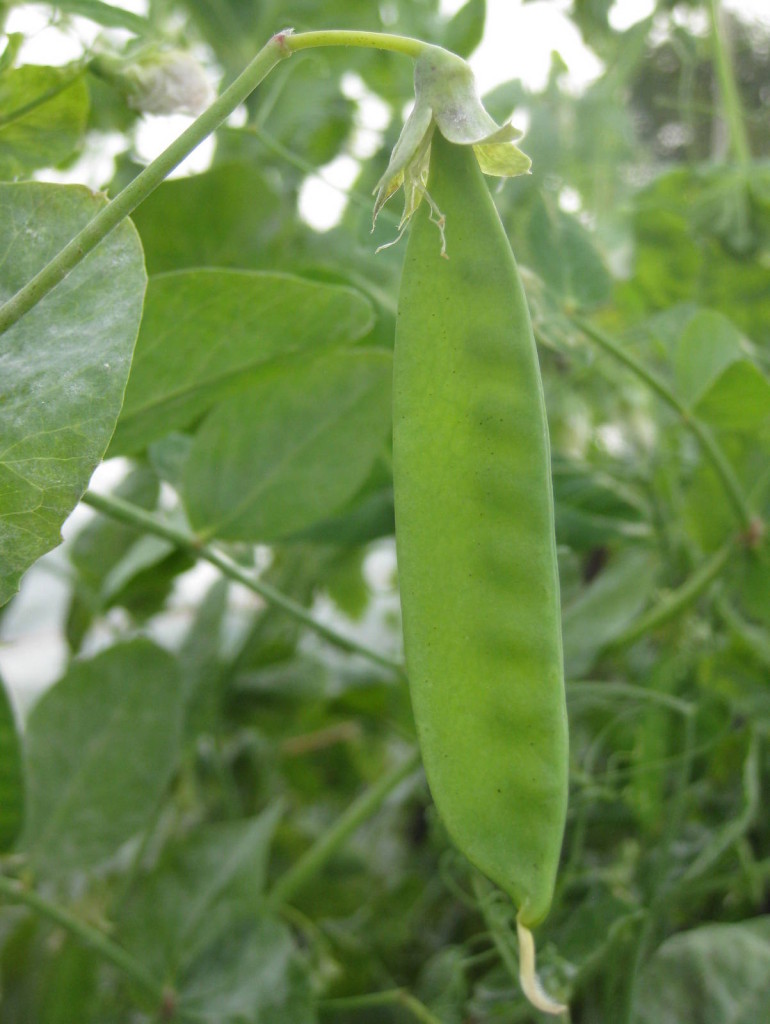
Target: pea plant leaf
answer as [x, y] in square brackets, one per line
[313, 132]
[714, 974]
[100, 749]
[739, 399]
[707, 346]
[43, 119]
[602, 610]
[106, 14]
[200, 657]
[254, 973]
[11, 778]
[63, 365]
[206, 334]
[292, 449]
[564, 254]
[674, 262]
[464, 30]
[202, 887]
[229, 216]
[591, 508]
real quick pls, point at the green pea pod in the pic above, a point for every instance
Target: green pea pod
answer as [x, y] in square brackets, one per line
[475, 542]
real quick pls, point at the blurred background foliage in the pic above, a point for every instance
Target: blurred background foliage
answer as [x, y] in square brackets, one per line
[643, 235]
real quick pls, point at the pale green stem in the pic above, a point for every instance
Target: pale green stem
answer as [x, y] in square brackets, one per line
[307, 867]
[728, 87]
[15, 892]
[678, 600]
[708, 444]
[277, 49]
[130, 514]
[342, 37]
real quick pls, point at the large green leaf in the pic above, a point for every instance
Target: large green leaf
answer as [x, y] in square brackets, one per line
[207, 334]
[708, 345]
[105, 14]
[605, 608]
[563, 252]
[739, 399]
[198, 920]
[201, 659]
[43, 113]
[63, 366]
[313, 132]
[230, 216]
[367, 516]
[465, 29]
[592, 508]
[11, 779]
[290, 450]
[254, 973]
[100, 749]
[717, 974]
[204, 886]
[678, 258]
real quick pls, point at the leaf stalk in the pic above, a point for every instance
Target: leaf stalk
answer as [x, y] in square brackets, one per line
[131, 515]
[328, 843]
[16, 892]
[703, 435]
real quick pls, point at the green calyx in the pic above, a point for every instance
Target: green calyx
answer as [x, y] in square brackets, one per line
[445, 98]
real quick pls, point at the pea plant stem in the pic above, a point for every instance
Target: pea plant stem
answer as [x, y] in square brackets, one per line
[678, 600]
[281, 46]
[16, 892]
[343, 37]
[728, 87]
[313, 860]
[705, 438]
[131, 515]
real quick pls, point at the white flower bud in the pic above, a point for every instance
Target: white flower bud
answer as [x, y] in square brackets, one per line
[168, 83]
